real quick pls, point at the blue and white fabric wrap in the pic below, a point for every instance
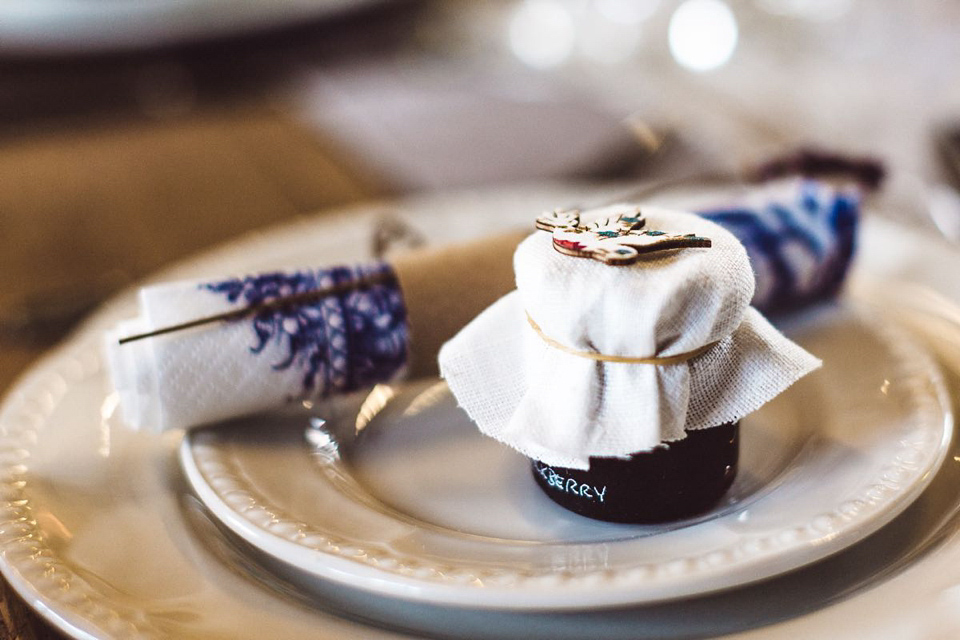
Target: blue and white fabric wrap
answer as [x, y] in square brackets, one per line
[339, 344]
[800, 236]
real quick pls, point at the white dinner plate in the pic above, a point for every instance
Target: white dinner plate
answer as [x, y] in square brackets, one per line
[100, 533]
[401, 495]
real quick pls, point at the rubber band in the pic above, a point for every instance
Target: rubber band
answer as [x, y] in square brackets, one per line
[602, 357]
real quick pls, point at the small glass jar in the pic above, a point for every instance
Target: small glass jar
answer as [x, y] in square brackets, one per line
[675, 480]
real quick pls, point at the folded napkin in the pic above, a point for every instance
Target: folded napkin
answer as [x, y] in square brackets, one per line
[528, 370]
[335, 344]
[799, 236]
[346, 328]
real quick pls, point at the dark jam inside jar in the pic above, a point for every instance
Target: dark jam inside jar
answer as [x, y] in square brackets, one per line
[673, 481]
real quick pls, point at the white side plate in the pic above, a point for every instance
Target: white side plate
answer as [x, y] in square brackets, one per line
[404, 497]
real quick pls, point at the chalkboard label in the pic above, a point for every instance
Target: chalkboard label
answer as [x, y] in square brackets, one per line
[570, 485]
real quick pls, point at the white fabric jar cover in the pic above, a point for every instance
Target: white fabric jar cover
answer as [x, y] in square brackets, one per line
[563, 408]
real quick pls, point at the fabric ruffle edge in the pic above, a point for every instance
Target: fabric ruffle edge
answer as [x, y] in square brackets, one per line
[484, 366]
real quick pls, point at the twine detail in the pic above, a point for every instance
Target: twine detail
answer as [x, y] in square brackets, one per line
[291, 301]
[602, 357]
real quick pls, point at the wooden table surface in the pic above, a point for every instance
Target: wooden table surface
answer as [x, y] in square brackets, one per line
[112, 167]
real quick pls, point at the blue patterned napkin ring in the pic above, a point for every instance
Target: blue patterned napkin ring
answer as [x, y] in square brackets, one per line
[618, 240]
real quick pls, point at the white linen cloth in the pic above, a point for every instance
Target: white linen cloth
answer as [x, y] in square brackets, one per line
[562, 408]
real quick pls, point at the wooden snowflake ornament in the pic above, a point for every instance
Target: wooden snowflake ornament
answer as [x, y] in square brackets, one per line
[617, 240]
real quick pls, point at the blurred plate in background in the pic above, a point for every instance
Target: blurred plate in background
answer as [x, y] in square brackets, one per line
[35, 27]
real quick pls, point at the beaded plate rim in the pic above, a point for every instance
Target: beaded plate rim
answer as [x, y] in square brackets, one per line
[29, 564]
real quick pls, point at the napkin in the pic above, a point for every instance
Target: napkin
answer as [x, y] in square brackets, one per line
[332, 345]
[354, 336]
[526, 369]
[799, 236]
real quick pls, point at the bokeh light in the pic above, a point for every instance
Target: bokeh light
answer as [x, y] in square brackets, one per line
[703, 34]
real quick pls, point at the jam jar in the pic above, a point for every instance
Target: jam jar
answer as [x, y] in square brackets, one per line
[672, 481]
